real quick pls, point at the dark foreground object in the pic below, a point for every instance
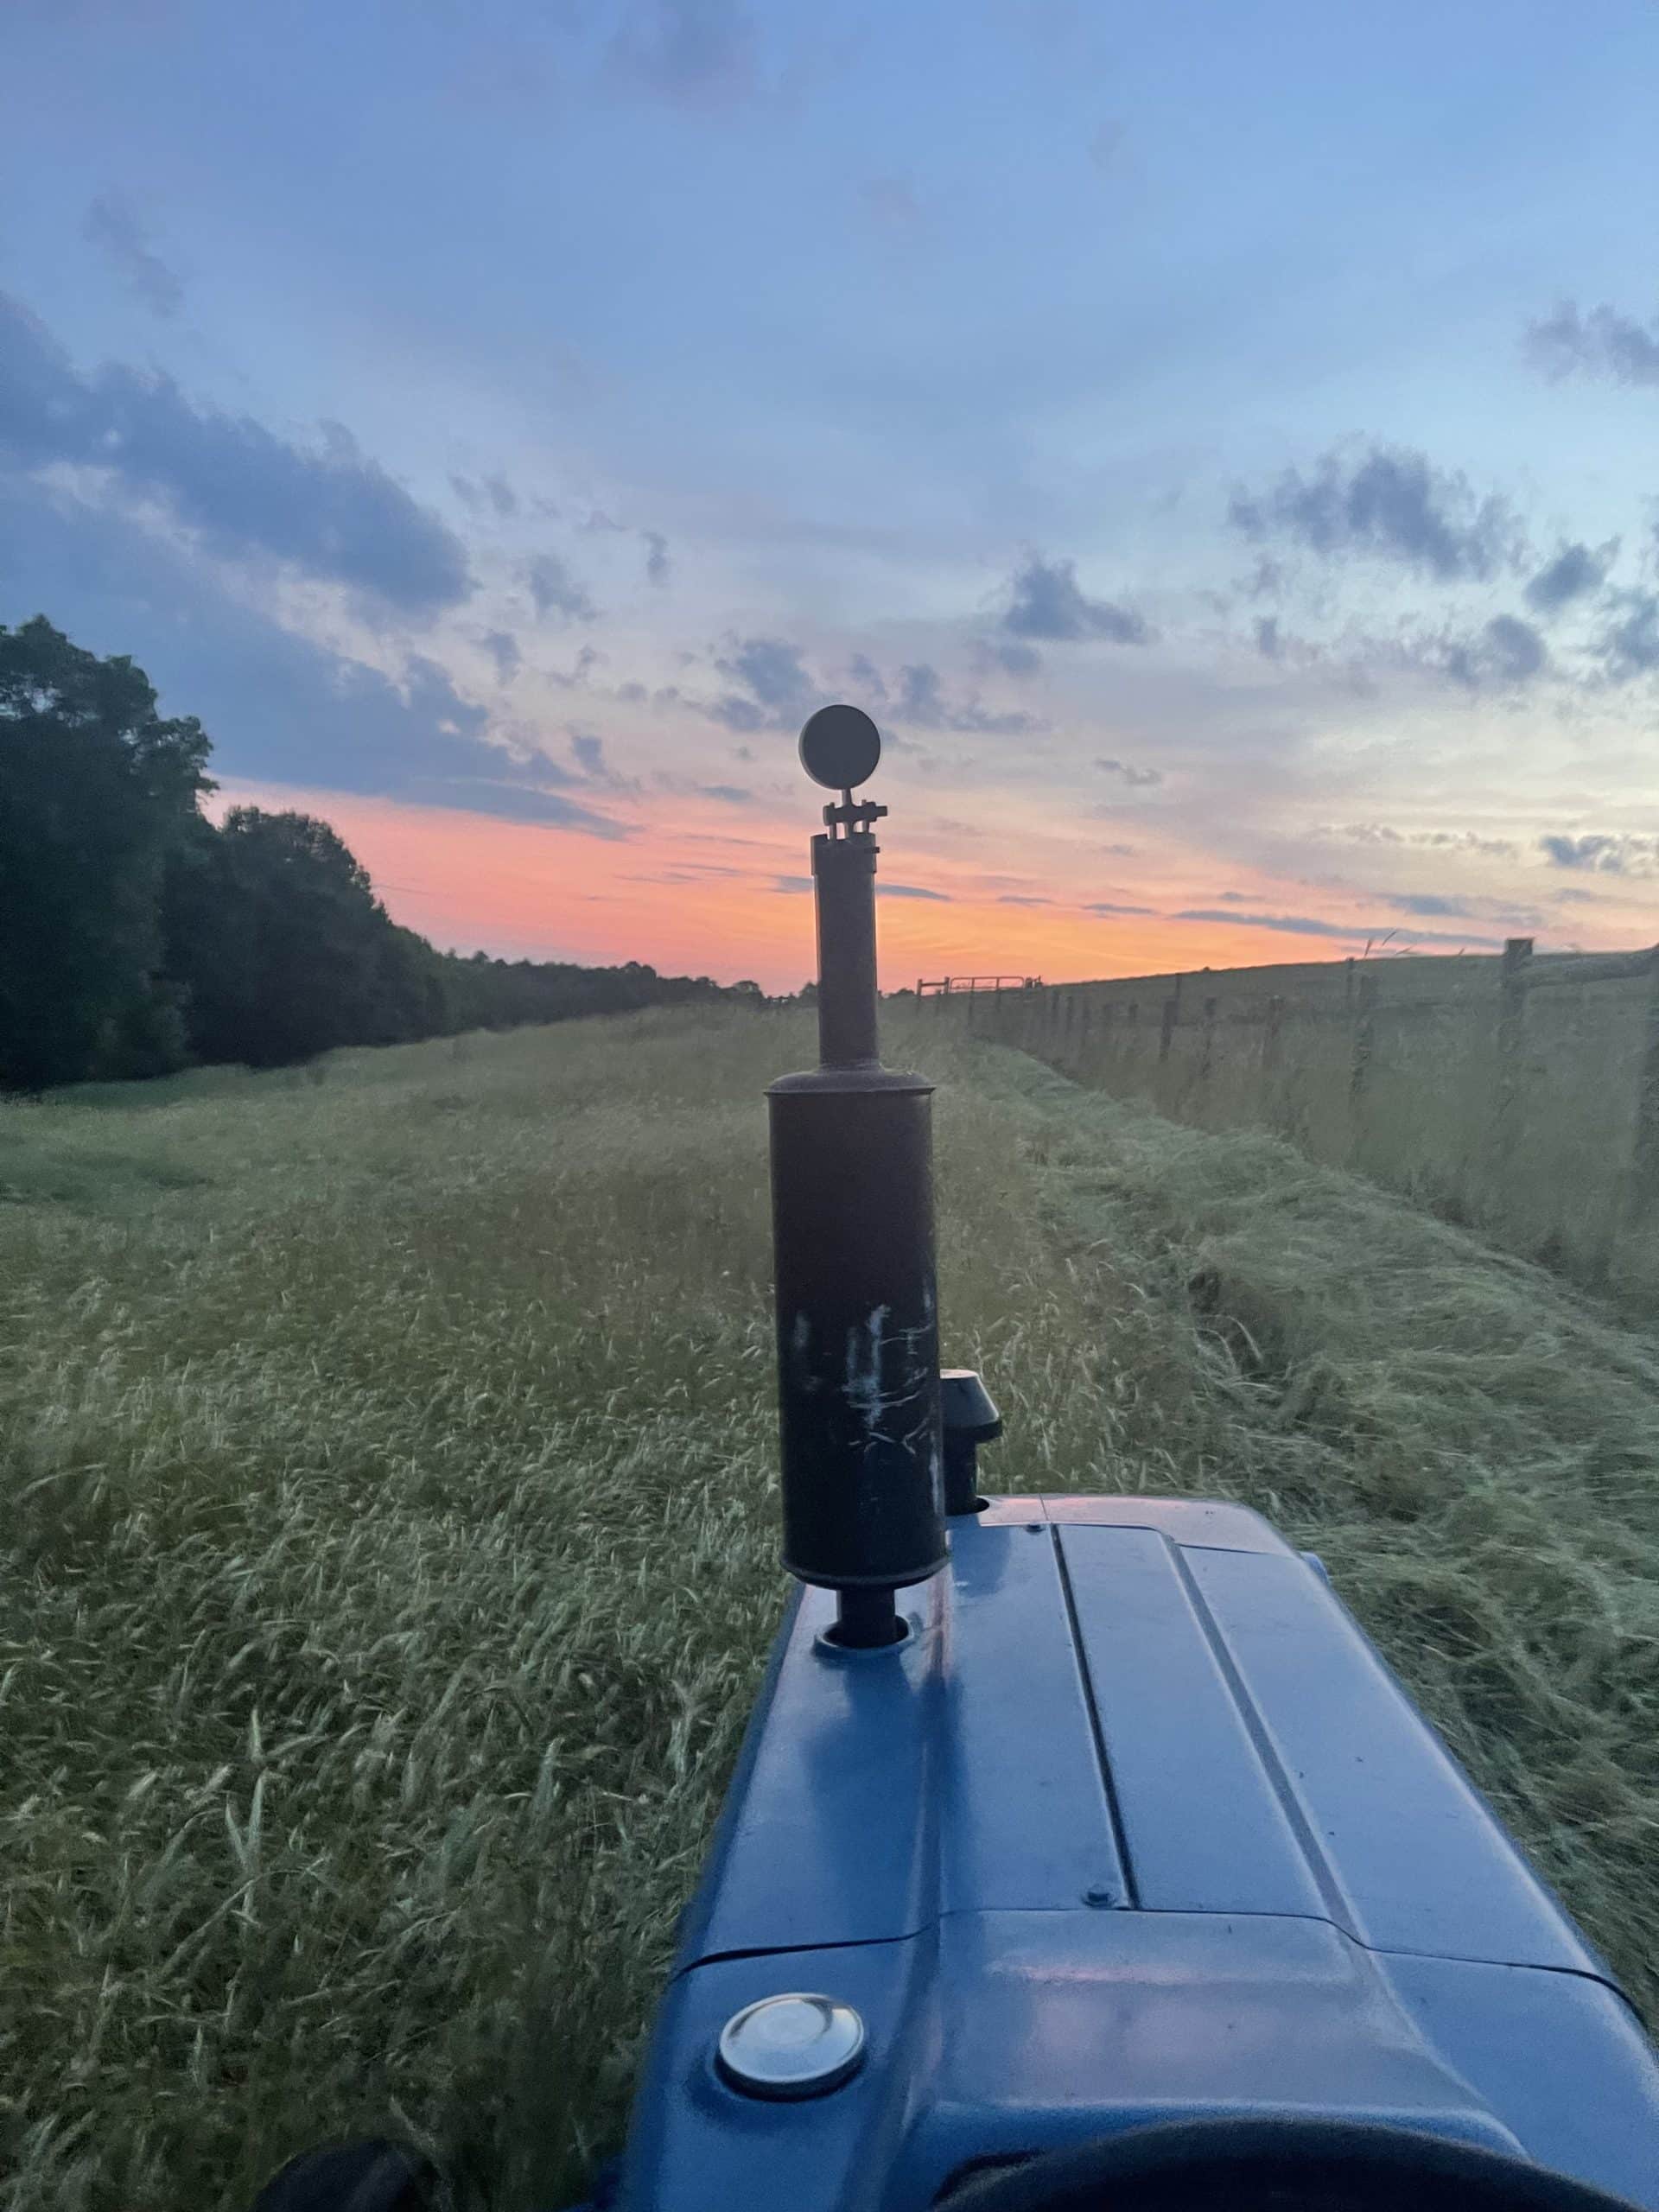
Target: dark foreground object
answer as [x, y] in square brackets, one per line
[856, 1297]
[1277, 2165]
[375, 2174]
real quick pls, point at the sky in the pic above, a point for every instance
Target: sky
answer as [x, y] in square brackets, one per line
[1218, 444]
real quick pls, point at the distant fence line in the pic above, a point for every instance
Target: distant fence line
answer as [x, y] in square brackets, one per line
[971, 985]
[1519, 1091]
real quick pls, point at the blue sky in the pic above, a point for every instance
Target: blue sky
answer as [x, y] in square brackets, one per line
[1218, 443]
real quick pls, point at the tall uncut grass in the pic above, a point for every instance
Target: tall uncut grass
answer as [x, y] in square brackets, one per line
[1537, 1149]
[387, 1458]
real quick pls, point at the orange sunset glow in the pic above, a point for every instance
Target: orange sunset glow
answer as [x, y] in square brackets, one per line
[688, 896]
[686, 893]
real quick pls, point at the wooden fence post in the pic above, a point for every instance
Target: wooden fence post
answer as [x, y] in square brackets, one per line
[1167, 1034]
[1207, 1043]
[1364, 1047]
[1273, 1088]
[1645, 1156]
[1513, 979]
[1273, 1041]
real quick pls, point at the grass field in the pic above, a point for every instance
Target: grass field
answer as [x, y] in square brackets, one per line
[1527, 1118]
[387, 1452]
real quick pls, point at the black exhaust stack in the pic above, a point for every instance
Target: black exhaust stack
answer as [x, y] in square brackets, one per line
[851, 1199]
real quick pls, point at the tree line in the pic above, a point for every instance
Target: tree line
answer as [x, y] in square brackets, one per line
[137, 936]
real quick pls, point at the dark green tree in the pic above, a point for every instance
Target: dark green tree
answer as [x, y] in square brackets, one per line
[96, 790]
[281, 946]
[134, 936]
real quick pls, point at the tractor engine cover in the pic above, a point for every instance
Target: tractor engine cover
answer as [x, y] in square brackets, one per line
[1134, 1826]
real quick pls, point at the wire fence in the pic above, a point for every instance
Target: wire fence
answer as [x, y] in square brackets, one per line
[1519, 1093]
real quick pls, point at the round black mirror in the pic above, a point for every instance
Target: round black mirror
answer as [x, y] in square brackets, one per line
[840, 748]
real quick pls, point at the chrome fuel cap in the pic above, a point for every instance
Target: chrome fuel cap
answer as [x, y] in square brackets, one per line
[791, 2046]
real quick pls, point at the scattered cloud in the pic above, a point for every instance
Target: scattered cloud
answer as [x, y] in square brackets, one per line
[776, 691]
[920, 700]
[1023, 898]
[694, 54]
[657, 565]
[494, 495]
[576, 679]
[727, 794]
[1603, 343]
[1047, 602]
[1008, 655]
[1138, 779]
[1458, 840]
[593, 765]
[1294, 925]
[910, 891]
[1423, 902]
[1310, 926]
[1107, 906]
[1444, 905]
[511, 800]
[791, 883]
[326, 509]
[864, 674]
[503, 649]
[1629, 647]
[279, 706]
[1268, 642]
[1505, 651]
[1603, 853]
[115, 230]
[1389, 504]
[554, 590]
[1576, 570]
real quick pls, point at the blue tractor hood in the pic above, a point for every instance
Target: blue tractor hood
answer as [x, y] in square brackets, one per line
[1135, 1825]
